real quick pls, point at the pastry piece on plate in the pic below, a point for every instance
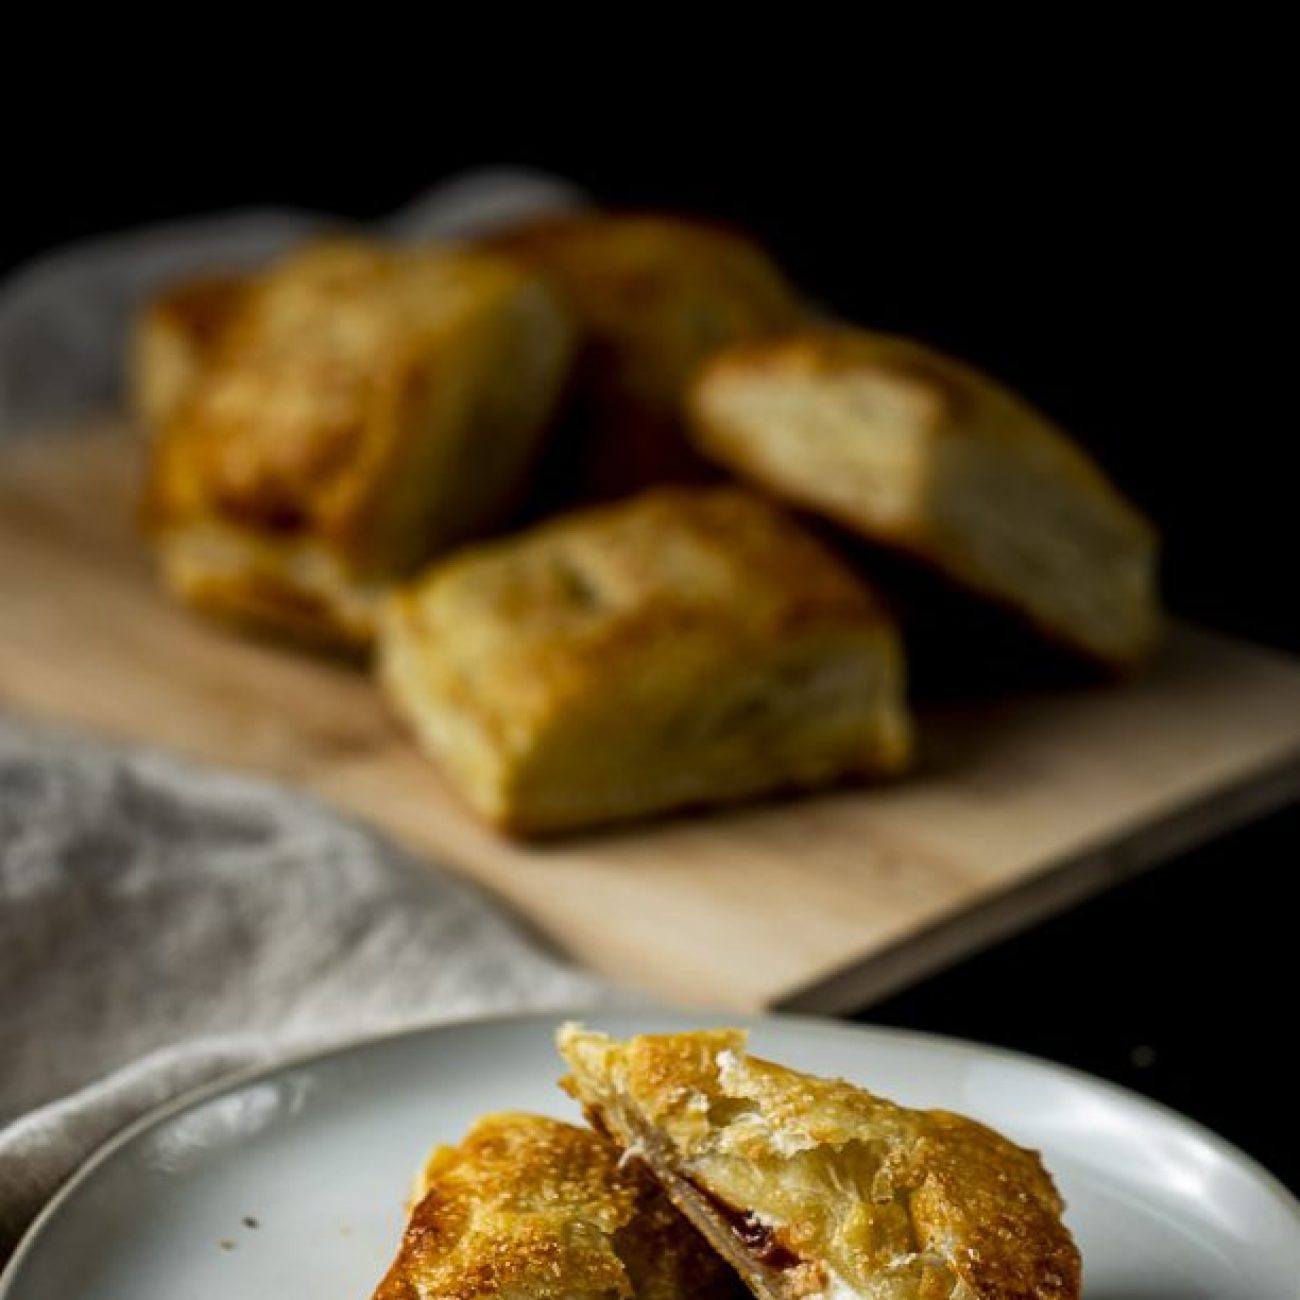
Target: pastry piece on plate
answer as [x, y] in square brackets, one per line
[689, 646]
[367, 408]
[655, 295]
[529, 1208]
[814, 1188]
[172, 339]
[917, 451]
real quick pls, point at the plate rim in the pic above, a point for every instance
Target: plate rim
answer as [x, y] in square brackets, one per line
[10, 1273]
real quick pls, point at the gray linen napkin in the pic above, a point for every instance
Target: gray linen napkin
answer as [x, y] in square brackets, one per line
[162, 925]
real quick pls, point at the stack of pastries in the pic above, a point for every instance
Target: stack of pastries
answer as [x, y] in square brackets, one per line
[710, 1174]
[610, 508]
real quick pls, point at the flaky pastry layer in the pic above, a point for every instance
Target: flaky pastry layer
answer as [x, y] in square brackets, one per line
[815, 1188]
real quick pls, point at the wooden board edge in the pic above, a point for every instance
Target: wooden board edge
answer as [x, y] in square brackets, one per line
[1049, 892]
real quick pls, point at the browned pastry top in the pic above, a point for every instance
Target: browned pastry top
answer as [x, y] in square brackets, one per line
[529, 1207]
[299, 421]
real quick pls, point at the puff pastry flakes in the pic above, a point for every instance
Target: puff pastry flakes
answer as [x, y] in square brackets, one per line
[815, 1188]
[655, 296]
[366, 408]
[689, 646]
[528, 1208]
[915, 450]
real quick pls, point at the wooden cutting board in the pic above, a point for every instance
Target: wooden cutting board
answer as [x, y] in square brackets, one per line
[1022, 805]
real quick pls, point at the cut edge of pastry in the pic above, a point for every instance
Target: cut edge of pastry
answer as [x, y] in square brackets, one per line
[618, 1122]
[757, 1246]
[703, 1212]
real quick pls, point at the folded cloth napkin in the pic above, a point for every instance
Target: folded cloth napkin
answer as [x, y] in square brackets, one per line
[162, 925]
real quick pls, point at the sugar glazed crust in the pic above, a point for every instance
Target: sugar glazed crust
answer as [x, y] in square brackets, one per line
[688, 646]
[813, 1187]
[529, 1208]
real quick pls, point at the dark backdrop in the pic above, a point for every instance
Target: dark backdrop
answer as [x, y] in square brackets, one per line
[1122, 267]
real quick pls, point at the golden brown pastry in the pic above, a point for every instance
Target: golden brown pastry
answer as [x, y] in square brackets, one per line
[918, 451]
[367, 408]
[173, 337]
[527, 1208]
[690, 646]
[817, 1190]
[655, 295]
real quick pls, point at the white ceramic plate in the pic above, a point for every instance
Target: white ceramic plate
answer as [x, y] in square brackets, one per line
[291, 1183]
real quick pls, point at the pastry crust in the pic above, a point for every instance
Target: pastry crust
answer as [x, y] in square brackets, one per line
[172, 339]
[690, 646]
[529, 1208]
[814, 1188]
[655, 295]
[366, 408]
[920, 452]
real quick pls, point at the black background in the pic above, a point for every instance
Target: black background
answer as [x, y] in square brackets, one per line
[1114, 245]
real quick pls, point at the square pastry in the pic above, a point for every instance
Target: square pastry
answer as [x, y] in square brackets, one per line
[916, 451]
[689, 646]
[365, 408]
[655, 296]
[530, 1208]
[819, 1190]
